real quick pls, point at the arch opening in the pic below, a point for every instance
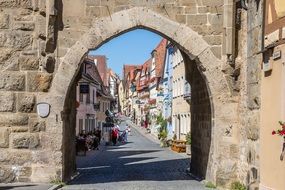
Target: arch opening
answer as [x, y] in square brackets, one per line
[201, 116]
[199, 61]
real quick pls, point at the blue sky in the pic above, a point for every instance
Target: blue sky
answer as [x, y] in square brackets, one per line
[133, 47]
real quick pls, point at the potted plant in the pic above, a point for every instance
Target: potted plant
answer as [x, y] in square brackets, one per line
[163, 138]
[188, 143]
[281, 132]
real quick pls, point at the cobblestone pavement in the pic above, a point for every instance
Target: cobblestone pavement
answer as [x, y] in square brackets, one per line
[138, 165]
[24, 186]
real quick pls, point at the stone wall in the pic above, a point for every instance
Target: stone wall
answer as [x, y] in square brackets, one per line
[201, 123]
[203, 16]
[42, 44]
[248, 61]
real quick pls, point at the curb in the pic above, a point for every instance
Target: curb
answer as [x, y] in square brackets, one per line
[55, 187]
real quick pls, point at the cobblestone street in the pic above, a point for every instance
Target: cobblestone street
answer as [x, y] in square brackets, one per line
[139, 164]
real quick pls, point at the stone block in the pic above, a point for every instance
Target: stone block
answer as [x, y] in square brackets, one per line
[38, 82]
[12, 81]
[10, 60]
[28, 4]
[36, 126]
[187, 2]
[226, 173]
[212, 3]
[15, 39]
[98, 11]
[15, 157]
[216, 10]
[254, 96]
[197, 19]
[4, 21]
[75, 54]
[101, 2]
[252, 126]
[215, 19]
[25, 140]
[41, 156]
[4, 137]
[253, 72]
[24, 174]
[217, 50]
[6, 174]
[191, 10]
[8, 3]
[213, 39]
[25, 26]
[51, 142]
[29, 63]
[14, 119]
[5, 54]
[120, 2]
[26, 102]
[44, 173]
[121, 8]
[20, 129]
[181, 18]
[7, 101]
[203, 9]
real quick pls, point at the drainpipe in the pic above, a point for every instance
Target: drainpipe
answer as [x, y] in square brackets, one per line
[229, 30]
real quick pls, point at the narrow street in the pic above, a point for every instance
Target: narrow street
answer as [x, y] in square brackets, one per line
[139, 164]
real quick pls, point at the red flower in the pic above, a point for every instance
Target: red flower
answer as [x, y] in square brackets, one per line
[273, 132]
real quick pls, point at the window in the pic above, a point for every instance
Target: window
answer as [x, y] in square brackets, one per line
[93, 96]
[88, 98]
[86, 125]
[80, 97]
[80, 125]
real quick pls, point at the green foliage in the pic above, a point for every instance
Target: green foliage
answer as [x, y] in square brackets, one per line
[188, 138]
[210, 185]
[159, 118]
[57, 181]
[162, 127]
[237, 186]
[163, 134]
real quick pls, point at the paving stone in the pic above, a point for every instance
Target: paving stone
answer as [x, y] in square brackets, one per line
[139, 164]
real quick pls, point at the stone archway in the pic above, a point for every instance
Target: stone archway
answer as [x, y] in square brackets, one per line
[221, 167]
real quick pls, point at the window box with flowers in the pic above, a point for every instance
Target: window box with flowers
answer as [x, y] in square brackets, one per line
[281, 132]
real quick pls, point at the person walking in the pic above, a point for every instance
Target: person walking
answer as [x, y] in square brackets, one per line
[114, 135]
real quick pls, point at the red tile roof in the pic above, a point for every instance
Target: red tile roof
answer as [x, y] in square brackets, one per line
[127, 69]
[160, 58]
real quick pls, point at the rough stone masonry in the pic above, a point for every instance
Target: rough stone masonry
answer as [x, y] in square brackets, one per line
[42, 43]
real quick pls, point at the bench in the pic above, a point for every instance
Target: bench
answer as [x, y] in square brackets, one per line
[178, 146]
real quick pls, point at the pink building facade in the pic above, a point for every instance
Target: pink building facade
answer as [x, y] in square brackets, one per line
[86, 118]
